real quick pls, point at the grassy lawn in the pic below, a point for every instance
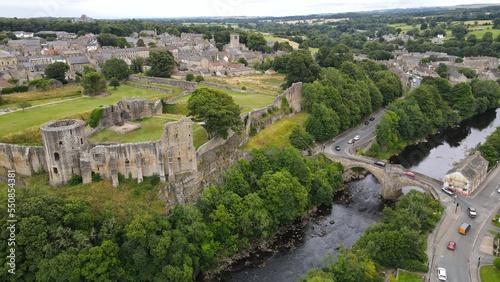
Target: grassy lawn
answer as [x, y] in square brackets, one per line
[41, 97]
[275, 134]
[489, 273]
[246, 101]
[409, 277]
[268, 37]
[404, 27]
[260, 83]
[36, 116]
[151, 130]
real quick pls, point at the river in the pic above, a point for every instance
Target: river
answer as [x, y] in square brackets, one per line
[436, 155]
[304, 248]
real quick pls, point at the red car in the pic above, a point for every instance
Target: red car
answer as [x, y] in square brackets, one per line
[452, 245]
[409, 173]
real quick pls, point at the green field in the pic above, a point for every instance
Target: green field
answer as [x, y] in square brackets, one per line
[479, 31]
[246, 101]
[175, 90]
[36, 116]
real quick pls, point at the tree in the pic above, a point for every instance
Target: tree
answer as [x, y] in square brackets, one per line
[114, 82]
[199, 78]
[243, 61]
[115, 67]
[136, 65]
[57, 71]
[300, 139]
[217, 110]
[140, 43]
[301, 67]
[23, 105]
[255, 40]
[92, 82]
[323, 123]
[161, 63]
[442, 70]
[423, 26]
[459, 31]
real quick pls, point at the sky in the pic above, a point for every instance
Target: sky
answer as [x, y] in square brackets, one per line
[118, 9]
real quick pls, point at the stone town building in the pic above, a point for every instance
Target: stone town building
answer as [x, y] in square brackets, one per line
[7, 60]
[466, 176]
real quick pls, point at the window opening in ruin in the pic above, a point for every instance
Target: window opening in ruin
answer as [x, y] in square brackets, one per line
[71, 131]
[60, 142]
[55, 170]
[112, 109]
[127, 161]
[56, 156]
[81, 141]
[176, 135]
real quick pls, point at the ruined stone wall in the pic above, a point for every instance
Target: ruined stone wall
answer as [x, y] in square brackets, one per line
[129, 109]
[134, 160]
[186, 85]
[226, 87]
[25, 160]
[150, 87]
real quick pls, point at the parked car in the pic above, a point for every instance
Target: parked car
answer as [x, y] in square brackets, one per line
[372, 118]
[337, 148]
[452, 245]
[356, 138]
[442, 274]
[448, 191]
[471, 211]
[409, 173]
[367, 122]
[379, 163]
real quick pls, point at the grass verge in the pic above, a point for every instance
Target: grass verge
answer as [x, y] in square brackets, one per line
[409, 277]
[489, 273]
[276, 134]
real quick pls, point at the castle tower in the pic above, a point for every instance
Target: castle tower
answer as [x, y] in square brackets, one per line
[234, 40]
[63, 141]
[177, 147]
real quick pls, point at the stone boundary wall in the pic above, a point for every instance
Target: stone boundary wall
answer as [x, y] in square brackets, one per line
[227, 87]
[185, 85]
[25, 160]
[184, 93]
[150, 87]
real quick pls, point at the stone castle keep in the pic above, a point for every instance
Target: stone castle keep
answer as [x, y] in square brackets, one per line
[67, 151]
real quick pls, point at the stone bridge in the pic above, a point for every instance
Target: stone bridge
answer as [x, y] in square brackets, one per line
[390, 177]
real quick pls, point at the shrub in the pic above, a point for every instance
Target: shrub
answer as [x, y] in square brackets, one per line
[154, 179]
[40, 83]
[189, 77]
[75, 180]
[96, 177]
[496, 263]
[95, 117]
[243, 87]
[7, 90]
[415, 265]
[199, 78]
[21, 88]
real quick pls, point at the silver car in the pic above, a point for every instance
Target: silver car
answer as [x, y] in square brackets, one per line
[442, 274]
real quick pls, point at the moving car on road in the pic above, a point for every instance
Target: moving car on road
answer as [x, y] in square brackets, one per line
[447, 191]
[379, 163]
[356, 138]
[471, 211]
[442, 274]
[351, 141]
[409, 173]
[372, 118]
[452, 245]
[337, 148]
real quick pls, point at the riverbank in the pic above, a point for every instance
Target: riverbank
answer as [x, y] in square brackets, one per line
[287, 239]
